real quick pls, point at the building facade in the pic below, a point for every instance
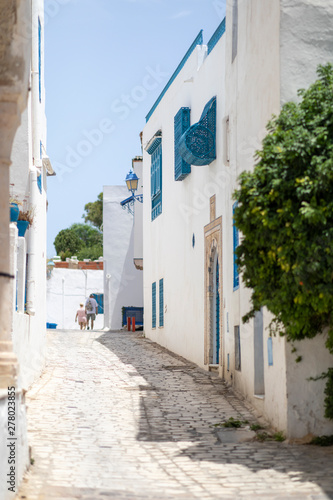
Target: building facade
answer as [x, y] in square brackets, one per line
[24, 167]
[122, 279]
[201, 133]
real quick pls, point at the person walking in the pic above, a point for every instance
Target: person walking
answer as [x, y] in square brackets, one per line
[91, 310]
[81, 317]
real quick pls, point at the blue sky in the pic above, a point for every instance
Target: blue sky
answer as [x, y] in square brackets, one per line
[106, 62]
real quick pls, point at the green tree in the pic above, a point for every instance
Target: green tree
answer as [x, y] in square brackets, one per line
[94, 212]
[285, 214]
[82, 240]
[89, 235]
[67, 243]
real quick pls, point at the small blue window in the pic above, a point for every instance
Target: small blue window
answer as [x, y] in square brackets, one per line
[40, 59]
[154, 305]
[235, 245]
[270, 351]
[39, 183]
[161, 303]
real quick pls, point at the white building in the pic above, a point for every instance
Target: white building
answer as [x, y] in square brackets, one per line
[68, 287]
[122, 279]
[193, 297]
[28, 179]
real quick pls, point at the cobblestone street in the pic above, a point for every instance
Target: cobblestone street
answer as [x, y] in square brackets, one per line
[116, 416]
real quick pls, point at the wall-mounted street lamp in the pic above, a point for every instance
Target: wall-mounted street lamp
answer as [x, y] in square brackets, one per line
[132, 185]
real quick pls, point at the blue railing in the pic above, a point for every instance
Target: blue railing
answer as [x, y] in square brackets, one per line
[216, 36]
[198, 41]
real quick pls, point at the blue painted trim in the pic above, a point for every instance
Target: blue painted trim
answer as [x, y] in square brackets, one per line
[235, 245]
[216, 36]
[197, 41]
[40, 59]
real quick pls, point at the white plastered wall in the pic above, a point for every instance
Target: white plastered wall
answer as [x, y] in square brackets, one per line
[167, 241]
[66, 289]
[306, 40]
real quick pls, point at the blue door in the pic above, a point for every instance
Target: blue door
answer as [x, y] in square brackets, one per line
[217, 309]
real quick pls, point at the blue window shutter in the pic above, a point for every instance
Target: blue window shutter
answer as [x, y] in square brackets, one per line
[40, 59]
[156, 182]
[154, 305]
[181, 124]
[235, 245]
[161, 303]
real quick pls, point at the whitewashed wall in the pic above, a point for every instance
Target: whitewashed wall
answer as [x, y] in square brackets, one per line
[122, 281]
[305, 41]
[29, 330]
[66, 288]
[279, 47]
[252, 96]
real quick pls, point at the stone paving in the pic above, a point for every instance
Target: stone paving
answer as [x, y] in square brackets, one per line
[117, 416]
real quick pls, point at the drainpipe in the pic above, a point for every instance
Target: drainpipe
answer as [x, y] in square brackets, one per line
[32, 246]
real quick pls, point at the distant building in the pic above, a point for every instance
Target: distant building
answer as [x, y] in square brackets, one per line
[122, 274]
[70, 283]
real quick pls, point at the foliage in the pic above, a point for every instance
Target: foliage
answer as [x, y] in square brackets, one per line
[322, 440]
[90, 236]
[94, 212]
[285, 213]
[82, 240]
[232, 422]
[93, 253]
[67, 243]
[27, 214]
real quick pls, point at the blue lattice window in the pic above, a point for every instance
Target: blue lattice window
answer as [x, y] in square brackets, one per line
[153, 305]
[181, 124]
[235, 245]
[154, 148]
[197, 145]
[161, 303]
[40, 59]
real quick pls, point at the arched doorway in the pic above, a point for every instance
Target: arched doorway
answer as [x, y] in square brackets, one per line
[213, 355]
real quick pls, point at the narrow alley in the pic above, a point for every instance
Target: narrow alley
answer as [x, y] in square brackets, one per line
[117, 416]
